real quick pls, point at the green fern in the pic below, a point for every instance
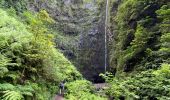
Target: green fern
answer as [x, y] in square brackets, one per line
[25, 90]
[6, 86]
[12, 95]
[3, 71]
[9, 90]
[3, 60]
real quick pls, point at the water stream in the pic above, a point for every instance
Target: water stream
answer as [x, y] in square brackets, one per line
[106, 22]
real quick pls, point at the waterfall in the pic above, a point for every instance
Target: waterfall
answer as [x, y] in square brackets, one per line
[106, 22]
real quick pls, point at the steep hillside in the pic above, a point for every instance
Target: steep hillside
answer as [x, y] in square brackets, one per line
[139, 28]
[30, 66]
[139, 50]
[78, 30]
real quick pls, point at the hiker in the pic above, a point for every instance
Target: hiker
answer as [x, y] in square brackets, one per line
[61, 87]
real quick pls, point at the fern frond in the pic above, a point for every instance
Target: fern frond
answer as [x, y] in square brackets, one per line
[3, 71]
[25, 90]
[6, 86]
[12, 95]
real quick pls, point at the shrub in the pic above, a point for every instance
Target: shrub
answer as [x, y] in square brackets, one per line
[145, 85]
[81, 90]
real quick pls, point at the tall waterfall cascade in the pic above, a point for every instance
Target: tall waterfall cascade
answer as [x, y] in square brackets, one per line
[106, 22]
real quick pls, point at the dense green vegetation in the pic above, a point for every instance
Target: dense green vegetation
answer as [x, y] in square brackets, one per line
[30, 65]
[140, 25]
[43, 42]
[81, 90]
[147, 85]
[140, 50]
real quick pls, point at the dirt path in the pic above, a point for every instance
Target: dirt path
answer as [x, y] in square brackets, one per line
[99, 89]
[100, 85]
[58, 97]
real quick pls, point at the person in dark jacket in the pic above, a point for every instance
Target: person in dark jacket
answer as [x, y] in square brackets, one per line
[61, 87]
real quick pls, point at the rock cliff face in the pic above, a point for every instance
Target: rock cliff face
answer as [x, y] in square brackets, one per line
[81, 31]
[78, 29]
